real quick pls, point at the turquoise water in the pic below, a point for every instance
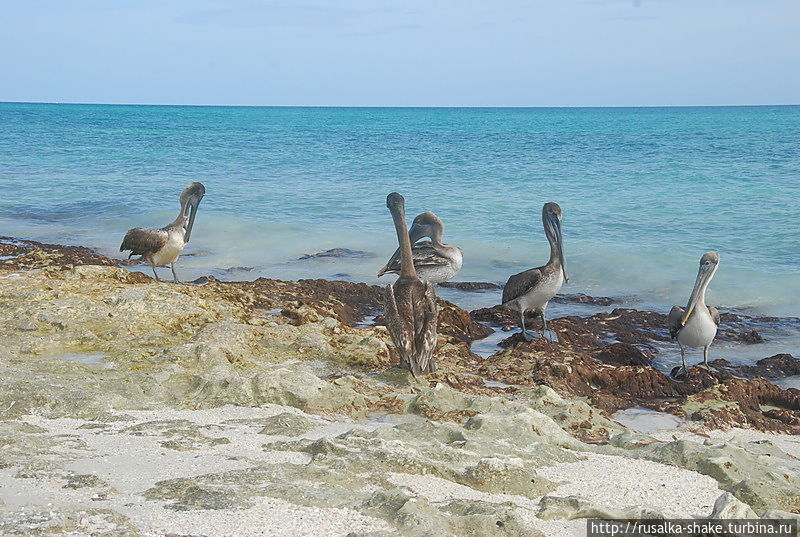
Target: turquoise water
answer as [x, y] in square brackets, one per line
[645, 191]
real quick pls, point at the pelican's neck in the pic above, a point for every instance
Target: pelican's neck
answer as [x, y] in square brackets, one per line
[407, 269]
[555, 259]
[699, 297]
[436, 235]
[180, 220]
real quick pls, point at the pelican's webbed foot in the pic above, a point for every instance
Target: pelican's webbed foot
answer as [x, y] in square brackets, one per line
[530, 335]
[550, 335]
[679, 372]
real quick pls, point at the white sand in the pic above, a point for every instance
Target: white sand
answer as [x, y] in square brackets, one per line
[609, 481]
[133, 463]
[269, 517]
[619, 482]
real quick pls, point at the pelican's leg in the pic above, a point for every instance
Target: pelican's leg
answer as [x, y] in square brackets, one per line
[705, 359]
[525, 333]
[174, 276]
[547, 334]
[156, 273]
[683, 369]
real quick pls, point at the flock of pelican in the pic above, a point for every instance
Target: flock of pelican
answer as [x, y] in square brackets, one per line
[411, 314]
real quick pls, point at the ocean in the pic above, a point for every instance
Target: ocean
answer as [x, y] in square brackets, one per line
[644, 191]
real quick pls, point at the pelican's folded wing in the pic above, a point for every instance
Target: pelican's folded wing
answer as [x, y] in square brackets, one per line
[424, 254]
[674, 321]
[714, 314]
[141, 241]
[426, 333]
[395, 325]
[519, 284]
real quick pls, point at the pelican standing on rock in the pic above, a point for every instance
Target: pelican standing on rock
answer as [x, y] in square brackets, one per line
[434, 261]
[696, 326]
[411, 313]
[534, 288]
[161, 247]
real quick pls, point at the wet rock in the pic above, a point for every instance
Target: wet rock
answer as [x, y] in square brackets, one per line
[750, 336]
[471, 286]
[27, 255]
[715, 397]
[624, 354]
[455, 322]
[775, 367]
[580, 298]
[339, 253]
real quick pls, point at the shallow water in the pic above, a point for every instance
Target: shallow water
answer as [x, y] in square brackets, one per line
[644, 190]
[645, 420]
[86, 358]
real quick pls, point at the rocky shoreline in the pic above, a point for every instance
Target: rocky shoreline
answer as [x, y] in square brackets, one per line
[131, 407]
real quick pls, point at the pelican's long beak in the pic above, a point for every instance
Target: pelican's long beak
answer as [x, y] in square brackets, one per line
[194, 203]
[703, 276]
[553, 225]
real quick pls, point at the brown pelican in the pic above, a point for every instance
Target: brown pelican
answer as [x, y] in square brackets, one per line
[534, 288]
[697, 325]
[161, 247]
[434, 261]
[411, 312]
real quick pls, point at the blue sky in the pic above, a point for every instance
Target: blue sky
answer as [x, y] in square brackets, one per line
[402, 53]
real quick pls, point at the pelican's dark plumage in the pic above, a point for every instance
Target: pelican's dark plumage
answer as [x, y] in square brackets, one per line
[696, 326]
[534, 288]
[411, 313]
[434, 261]
[162, 247]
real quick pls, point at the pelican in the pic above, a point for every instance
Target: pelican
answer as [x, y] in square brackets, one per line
[434, 261]
[161, 247]
[697, 325]
[534, 288]
[411, 312]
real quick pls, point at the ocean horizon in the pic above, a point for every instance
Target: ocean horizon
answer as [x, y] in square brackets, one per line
[644, 190]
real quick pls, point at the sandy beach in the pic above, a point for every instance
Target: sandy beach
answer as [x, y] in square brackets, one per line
[271, 408]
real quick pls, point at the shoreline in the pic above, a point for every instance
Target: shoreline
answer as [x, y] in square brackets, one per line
[140, 408]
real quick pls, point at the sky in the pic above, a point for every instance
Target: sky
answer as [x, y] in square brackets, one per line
[402, 53]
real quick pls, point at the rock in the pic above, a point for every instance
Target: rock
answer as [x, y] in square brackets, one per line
[624, 354]
[506, 476]
[416, 517]
[339, 253]
[303, 390]
[77, 481]
[471, 286]
[198, 352]
[727, 506]
[455, 322]
[580, 298]
[288, 424]
[572, 507]
[774, 367]
[187, 495]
